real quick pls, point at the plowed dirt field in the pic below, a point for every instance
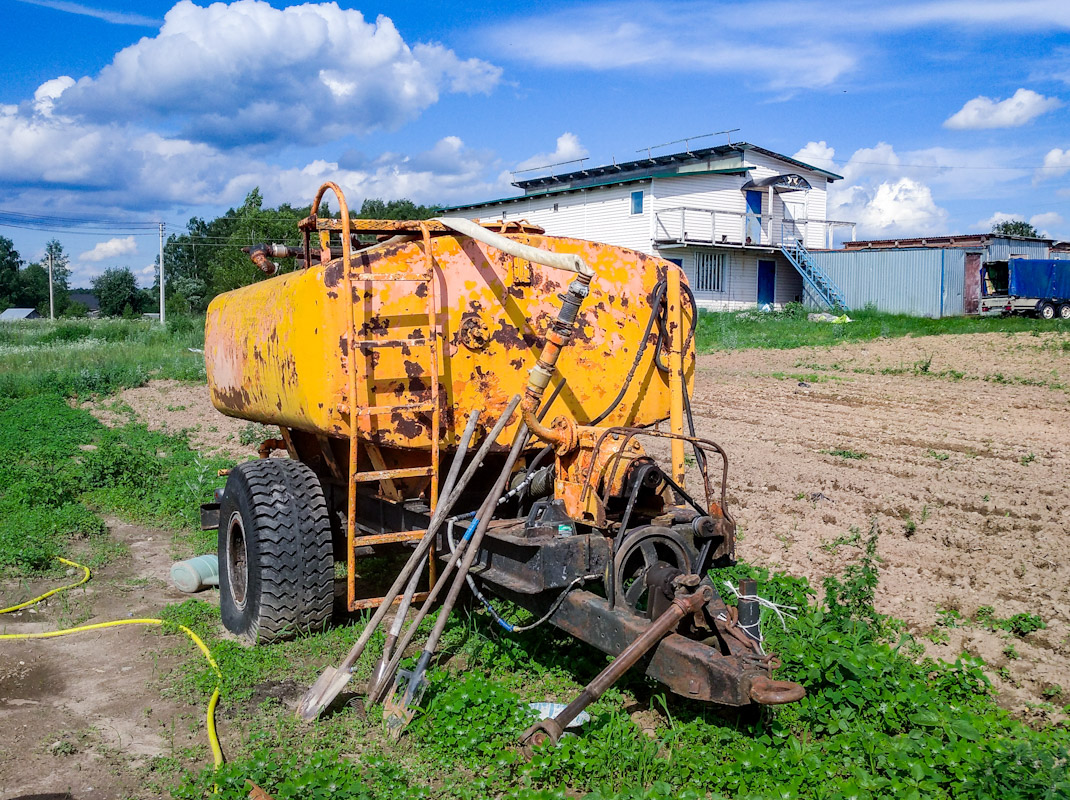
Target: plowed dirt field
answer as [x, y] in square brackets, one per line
[956, 447]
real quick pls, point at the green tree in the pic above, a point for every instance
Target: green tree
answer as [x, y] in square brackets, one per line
[32, 288]
[374, 208]
[61, 274]
[1015, 227]
[10, 263]
[116, 289]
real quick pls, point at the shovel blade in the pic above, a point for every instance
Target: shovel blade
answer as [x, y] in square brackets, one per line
[322, 693]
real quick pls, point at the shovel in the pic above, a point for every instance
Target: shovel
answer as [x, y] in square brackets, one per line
[331, 683]
[399, 713]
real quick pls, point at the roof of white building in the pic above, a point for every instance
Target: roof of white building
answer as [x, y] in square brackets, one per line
[727, 159]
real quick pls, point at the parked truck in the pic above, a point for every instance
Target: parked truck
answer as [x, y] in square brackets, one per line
[1027, 286]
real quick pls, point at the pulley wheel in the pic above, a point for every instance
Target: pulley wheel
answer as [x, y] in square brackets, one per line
[641, 550]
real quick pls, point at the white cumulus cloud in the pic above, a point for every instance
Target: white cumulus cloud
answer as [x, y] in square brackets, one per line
[984, 112]
[876, 193]
[1049, 224]
[1056, 163]
[246, 72]
[112, 248]
[568, 149]
[817, 154]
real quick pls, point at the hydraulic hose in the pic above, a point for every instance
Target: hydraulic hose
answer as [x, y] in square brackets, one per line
[473, 230]
[213, 738]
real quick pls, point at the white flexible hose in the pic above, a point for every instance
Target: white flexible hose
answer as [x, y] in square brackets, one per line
[565, 261]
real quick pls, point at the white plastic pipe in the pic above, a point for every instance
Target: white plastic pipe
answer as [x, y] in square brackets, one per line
[565, 261]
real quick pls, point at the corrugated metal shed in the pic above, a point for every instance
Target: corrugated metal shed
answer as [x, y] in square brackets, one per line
[1000, 248]
[19, 313]
[923, 282]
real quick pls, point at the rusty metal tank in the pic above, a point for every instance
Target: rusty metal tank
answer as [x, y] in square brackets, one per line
[278, 351]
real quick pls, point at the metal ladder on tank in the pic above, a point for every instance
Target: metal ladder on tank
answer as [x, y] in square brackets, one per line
[361, 364]
[359, 386]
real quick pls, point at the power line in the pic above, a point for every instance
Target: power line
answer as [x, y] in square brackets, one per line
[96, 221]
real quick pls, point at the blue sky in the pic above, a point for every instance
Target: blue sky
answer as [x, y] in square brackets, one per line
[942, 116]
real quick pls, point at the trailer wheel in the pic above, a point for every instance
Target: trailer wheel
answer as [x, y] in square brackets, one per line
[276, 566]
[1046, 311]
[1064, 311]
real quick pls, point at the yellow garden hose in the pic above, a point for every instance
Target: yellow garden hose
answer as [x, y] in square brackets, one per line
[213, 739]
[51, 592]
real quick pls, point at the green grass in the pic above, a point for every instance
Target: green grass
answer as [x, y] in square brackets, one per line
[845, 453]
[60, 468]
[877, 721]
[739, 330]
[82, 358]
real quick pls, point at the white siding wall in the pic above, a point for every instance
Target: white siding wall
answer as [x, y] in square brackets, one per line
[601, 214]
[789, 284]
[741, 279]
[814, 201]
[716, 192]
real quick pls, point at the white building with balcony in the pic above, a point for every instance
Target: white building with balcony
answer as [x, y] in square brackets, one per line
[737, 217]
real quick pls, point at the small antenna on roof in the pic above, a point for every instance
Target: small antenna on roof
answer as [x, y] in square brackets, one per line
[687, 141]
[516, 172]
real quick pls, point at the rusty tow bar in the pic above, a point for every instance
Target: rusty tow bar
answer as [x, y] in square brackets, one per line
[682, 606]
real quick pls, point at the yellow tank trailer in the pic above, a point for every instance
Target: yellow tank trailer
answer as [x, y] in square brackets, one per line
[391, 349]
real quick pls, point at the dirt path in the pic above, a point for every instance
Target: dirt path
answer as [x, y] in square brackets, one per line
[174, 407]
[967, 478]
[84, 716]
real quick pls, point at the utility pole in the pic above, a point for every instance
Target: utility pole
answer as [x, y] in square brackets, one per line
[163, 321]
[51, 300]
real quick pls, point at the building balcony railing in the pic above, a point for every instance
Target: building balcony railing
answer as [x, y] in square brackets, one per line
[708, 226]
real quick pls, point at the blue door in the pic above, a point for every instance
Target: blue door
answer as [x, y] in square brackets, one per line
[766, 282]
[754, 217]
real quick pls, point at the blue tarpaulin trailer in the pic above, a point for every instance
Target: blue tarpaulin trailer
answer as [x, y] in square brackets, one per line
[1033, 286]
[1041, 278]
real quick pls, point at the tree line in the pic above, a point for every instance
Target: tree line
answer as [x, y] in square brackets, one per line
[207, 259]
[201, 262]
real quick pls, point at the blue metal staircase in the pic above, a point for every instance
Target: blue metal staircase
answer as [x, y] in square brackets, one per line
[817, 280]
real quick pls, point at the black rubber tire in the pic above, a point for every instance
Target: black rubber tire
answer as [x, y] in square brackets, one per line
[1064, 311]
[276, 566]
[1046, 311]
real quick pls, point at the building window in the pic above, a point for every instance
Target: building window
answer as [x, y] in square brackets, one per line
[637, 202]
[709, 272]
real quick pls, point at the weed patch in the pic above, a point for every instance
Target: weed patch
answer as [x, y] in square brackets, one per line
[845, 453]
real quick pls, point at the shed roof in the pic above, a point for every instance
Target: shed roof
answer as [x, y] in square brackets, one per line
[955, 240]
[19, 313]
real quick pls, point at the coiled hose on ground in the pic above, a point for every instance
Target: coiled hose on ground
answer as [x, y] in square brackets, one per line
[213, 738]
